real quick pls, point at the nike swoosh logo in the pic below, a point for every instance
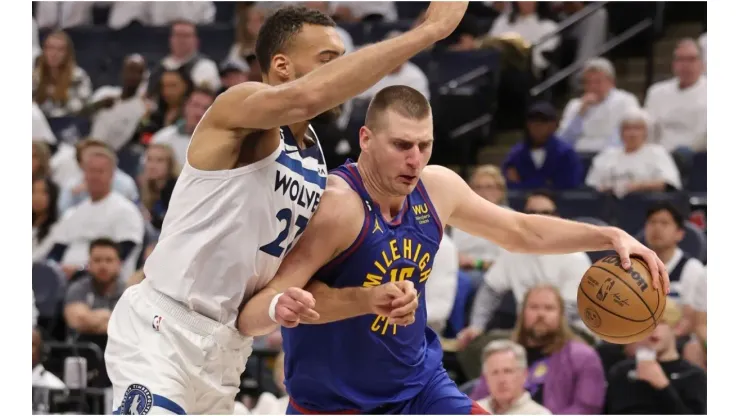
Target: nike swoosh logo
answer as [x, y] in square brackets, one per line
[287, 152]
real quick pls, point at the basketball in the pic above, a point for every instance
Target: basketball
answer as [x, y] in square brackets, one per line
[620, 306]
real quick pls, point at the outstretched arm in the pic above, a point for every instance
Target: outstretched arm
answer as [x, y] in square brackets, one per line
[260, 107]
[540, 234]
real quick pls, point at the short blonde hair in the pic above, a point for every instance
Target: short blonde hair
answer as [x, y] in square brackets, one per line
[505, 345]
[493, 172]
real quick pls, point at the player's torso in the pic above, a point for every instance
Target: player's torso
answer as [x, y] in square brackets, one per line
[375, 361]
[226, 232]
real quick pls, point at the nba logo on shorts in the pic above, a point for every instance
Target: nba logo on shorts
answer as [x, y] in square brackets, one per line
[155, 322]
[136, 401]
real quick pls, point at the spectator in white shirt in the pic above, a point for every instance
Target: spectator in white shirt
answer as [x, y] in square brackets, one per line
[178, 134]
[664, 230]
[74, 191]
[476, 254]
[119, 109]
[40, 129]
[40, 377]
[505, 369]
[442, 285]
[407, 74]
[160, 13]
[523, 20]
[518, 273]
[64, 14]
[60, 87]
[184, 55]
[679, 105]
[45, 216]
[636, 166]
[353, 11]
[104, 214]
[591, 123]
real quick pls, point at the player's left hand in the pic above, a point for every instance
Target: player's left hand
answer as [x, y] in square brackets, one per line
[625, 245]
[404, 307]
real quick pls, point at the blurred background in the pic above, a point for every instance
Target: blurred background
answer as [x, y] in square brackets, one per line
[593, 111]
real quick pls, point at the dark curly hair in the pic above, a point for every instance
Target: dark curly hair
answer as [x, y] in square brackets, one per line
[279, 28]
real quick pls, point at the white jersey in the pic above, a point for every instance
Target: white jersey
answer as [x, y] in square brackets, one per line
[226, 232]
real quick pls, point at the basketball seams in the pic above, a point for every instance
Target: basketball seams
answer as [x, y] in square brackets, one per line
[652, 314]
[609, 311]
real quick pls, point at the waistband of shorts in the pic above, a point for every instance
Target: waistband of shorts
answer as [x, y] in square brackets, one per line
[194, 321]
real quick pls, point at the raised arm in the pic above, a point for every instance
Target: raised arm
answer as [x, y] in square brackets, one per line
[462, 208]
[260, 107]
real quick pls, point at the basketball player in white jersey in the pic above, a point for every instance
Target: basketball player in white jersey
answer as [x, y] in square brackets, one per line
[252, 180]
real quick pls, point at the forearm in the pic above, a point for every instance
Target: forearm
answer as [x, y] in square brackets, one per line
[254, 319]
[338, 304]
[542, 234]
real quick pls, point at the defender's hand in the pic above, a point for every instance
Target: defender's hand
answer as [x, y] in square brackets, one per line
[293, 306]
[444, 16]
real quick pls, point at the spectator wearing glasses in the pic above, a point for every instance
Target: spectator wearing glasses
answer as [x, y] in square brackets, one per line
[477, 254]
[519, 272]
[542, 160]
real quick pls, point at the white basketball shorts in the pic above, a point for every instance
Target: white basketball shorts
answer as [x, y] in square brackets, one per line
[163, 358]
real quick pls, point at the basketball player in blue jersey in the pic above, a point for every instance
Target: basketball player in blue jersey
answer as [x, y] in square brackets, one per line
[252, 180]
[380, 221]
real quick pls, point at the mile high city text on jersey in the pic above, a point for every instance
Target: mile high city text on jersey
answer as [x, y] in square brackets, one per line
[296, 191]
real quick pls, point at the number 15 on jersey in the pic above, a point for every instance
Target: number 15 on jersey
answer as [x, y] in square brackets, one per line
[285, 215]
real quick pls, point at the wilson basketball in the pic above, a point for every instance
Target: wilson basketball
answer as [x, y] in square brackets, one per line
[620, 306]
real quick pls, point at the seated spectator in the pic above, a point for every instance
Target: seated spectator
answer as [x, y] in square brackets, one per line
[657, 380]
[233, 73]
[354, 11]
[184, 55]
[565, 374]
[679, 105]
[35, 39]
[104, 214]
[64, 14]
[60, 87]
[45, 215]
[174, 88]
[664, 230]
[505, 371]
[74, 191]
[542, 160]
[441, 286]
[40, 157]
[524, 20]
[249, 20]
[91, 298]
[147, 13]
[407, 74]
[703, 45]
[476, 254]
[40, 377]
[636, 166]
[591, 123]
[158, 181]
[178, 135]
[117, 110]
[40, 129]
[518, 272]
[268, 403]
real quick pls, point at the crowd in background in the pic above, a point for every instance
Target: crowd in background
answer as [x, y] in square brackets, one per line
[509, 321]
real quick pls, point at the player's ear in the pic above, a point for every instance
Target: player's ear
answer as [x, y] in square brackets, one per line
[365, 137]
[283, 67]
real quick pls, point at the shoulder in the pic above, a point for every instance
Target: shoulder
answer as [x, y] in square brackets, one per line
[123, 204]
[78, 73]
[80, 286]
[164, 135]
[340, 205]
[625, 96]
[661, 87]
[583, 350]
[434, 174]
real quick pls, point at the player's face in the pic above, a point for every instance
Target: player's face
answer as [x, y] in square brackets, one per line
[400, 148]
[541, 313]
[488, 187]
[40, 197]
[98, 171]
[662, 232]
[104, 264]
[157, 163]
[633, 136]
[313, 47]
[504, 376]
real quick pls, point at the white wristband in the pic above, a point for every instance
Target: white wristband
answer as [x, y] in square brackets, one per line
[273, 305]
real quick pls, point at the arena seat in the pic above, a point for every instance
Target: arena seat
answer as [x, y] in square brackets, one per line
[629, 212]
[573, 204]
[698, 175]
[69, 129]
[48, 290]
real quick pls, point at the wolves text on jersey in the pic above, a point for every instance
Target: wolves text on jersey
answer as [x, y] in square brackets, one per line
[296, 191]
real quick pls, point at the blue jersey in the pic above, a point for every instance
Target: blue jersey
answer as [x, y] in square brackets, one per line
[365, 363]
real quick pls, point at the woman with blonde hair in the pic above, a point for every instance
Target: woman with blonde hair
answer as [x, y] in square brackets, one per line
[60, 87]
[249, 19]
[157, 181]
[477, 254]
[40, 157]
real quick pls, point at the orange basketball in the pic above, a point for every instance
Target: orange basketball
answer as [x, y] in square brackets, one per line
[620, 306]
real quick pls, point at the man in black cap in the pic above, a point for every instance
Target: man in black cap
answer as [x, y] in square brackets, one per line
[232, 73]
[541, 160]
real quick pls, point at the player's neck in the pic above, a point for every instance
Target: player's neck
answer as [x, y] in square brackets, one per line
[299, 133]
[389, 204]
